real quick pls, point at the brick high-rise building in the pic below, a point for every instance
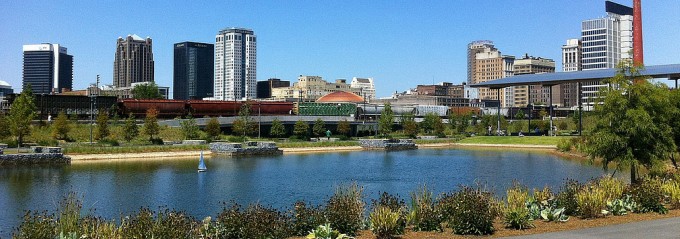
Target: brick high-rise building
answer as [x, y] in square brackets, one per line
[535, 93]
[489, 64]
[134, 61]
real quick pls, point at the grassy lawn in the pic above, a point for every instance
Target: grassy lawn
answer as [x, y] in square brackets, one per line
[534, 140]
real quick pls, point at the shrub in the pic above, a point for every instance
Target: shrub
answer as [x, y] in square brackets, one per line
[516, 214]
[619, 207]
[306, 218]
[108, 141]
[166, 224]
[256, 221]
[236, 139]
[395, 204]
[544, 195]
[230, 221]
[472, 214]
[423, 215]
[567, 197]
[326, 232]
[591, 200]
[564, 145]
[612, 187]
[648, 195]
[345, 208]
[671, 189]
[385, 222]
[36, 226]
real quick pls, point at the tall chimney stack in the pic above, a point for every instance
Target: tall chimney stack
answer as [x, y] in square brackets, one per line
[638, 52]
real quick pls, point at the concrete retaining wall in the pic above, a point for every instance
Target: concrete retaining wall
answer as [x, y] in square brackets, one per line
[251, 148]
[387, 144]
[28, 159]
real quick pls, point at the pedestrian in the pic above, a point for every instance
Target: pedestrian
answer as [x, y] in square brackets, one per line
[328, 135]
[489, 133]
[49, 118]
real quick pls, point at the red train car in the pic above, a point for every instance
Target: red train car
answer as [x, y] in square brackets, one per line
[464, 110]
[166, 108]
[202, 108]
[271, 108]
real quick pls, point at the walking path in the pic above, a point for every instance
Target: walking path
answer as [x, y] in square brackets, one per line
[661, 228]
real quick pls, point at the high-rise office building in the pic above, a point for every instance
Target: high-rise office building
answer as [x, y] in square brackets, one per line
[134, 61]
[534, 93]
[193, 73]
[571, 61]
[604, 43]
[489, 64]
[235, 64]
[264, 88]
[48, 68]
[367, 87]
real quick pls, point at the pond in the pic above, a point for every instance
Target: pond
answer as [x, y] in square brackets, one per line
[116, 188]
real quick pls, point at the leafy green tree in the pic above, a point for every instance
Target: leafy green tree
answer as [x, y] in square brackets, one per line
[520, 115]
[61, 127]
[190, 129]
[460, 122]
[21, 113]
[213, 128]
[575, 117]
[4, 131]
[319, 128]
[146, 91]
[633, 125]
[301, 129]
[151, 126]
[244, 125]
[113, 110]
[130, 129]
[410, 126]
[344, 127]
[386, 121]
[438, 127]
[543, 113]
[102, 125]
[429, 122]
[277, 130]
[518, 126]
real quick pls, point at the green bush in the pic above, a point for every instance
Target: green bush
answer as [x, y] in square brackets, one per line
[164, 224]
[423, 215]
[564, 145]
[326, 232]
[613, 188]
[306, 218]
[516, 214]
[671, 189]
[591, 200]
[648, 194]
[385, 222]
[472, 214]
[256, 221]
[345, 209]
[236, 139]
[567, 197]
[36, 226]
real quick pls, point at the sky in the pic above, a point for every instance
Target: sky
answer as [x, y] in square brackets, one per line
[399, 43]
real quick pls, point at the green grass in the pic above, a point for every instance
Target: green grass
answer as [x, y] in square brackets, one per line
[86, 149]
[527, 140]
[316, 144]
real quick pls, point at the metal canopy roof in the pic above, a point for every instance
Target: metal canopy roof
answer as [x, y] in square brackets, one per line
[547, 79]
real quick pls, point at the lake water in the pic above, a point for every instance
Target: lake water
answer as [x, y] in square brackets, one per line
[118, 188]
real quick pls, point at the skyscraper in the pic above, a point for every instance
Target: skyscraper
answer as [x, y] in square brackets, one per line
[571, 61]
[47, 68]
[535, 93]
[489, 64]
[134, 61]
[193, 71]
[235, 64]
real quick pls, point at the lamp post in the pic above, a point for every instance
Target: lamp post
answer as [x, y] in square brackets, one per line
[259, 119]
[93, 104]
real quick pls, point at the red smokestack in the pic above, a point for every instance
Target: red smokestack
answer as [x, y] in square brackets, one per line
[638, 52]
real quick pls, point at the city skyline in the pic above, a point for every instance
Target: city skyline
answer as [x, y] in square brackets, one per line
[399, 45]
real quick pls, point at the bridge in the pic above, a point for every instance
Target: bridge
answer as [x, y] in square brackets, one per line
[670, 72]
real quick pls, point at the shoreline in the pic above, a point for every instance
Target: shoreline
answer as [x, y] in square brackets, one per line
[186, 154]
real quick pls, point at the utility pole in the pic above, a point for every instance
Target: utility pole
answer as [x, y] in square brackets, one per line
[93, 104]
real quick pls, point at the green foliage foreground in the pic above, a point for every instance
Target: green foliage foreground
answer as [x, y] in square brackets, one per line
[467, 211]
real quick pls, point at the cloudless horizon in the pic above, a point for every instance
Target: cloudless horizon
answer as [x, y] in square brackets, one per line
[399, 43]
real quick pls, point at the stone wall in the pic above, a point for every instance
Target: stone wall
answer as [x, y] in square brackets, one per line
[387, 144]
[251, 148]
[39, 158]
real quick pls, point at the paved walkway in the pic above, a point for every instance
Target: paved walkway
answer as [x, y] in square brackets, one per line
[662, 228]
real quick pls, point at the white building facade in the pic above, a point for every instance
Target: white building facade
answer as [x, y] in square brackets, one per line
[367, 87]
[235, 65]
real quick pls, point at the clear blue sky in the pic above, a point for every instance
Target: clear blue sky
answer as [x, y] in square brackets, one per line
[399, 43]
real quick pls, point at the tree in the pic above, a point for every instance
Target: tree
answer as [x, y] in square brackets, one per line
[428, 123]
[146, 91]
[151, 126]
[438, 127]
[520, 115]
[633, 125]
[114, 111]
[301, 129]
[410, 126]
[130, 129]
[277, 130]
[244, 125]
[190, 129]
[213, 128]
[386, 121]
[21, 113]
[102, 125]
[460, 122]
[61, 127]
[344, 127]
[543, 114]
[319, 127]
[4, 131]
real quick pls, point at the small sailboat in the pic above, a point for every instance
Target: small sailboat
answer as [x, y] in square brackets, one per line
[201, 164]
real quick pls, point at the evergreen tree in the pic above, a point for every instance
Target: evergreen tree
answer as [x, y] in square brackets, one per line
[344, 127]
[301, 129]
[319, 128]
[61, 127]
[277, 130]
[386, 121]
[213, 128]
[102, 125]
[21, 113]
[130, 129]
[151, 126]
[190, 129]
